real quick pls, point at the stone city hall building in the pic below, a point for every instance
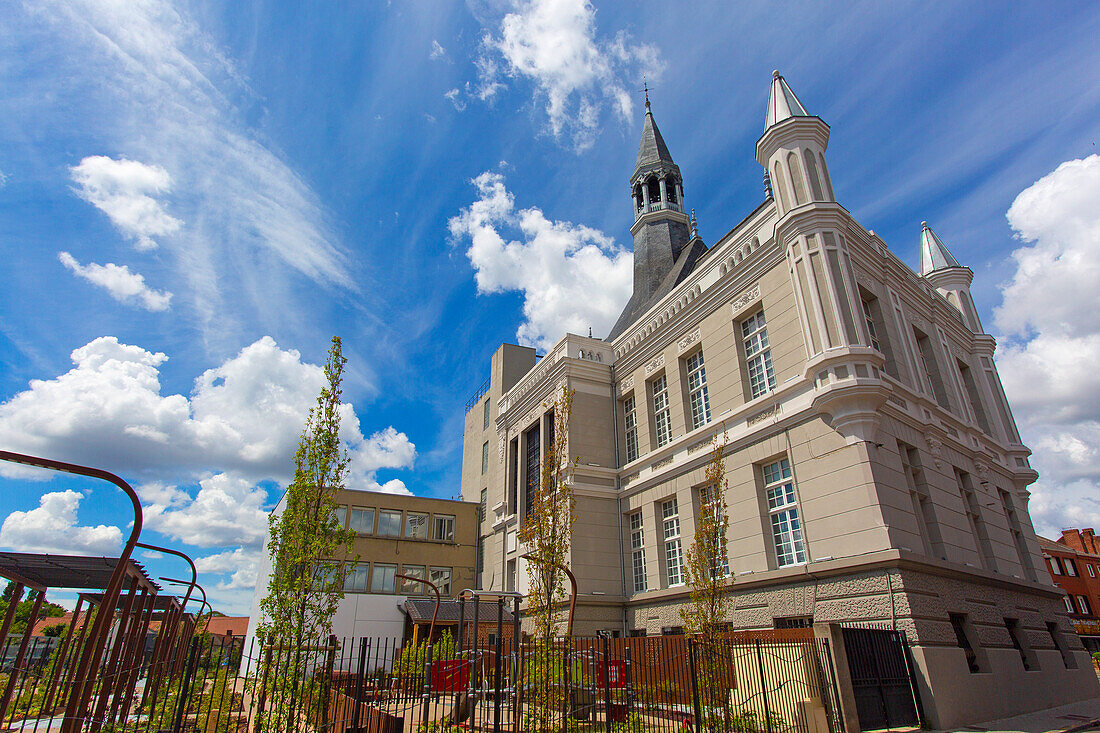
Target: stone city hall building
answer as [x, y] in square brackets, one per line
[875, 470]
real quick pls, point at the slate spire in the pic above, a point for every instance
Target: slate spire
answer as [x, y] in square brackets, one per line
[934, 254]
[653, 153]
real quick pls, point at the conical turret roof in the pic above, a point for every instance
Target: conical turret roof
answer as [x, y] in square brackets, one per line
[782, 103]
[652, 151]
[934, 254]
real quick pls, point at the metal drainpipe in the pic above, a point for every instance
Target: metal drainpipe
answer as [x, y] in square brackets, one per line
[618, 497]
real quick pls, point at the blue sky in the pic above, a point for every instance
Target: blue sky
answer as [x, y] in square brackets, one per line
[196, 196]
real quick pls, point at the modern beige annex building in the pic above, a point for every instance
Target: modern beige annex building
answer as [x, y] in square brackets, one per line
[875, 470]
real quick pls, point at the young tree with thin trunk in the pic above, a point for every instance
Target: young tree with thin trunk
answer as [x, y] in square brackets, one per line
[707, 562]
[308, 544]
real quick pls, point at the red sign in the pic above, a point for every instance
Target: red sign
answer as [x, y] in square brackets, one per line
[613, 674]
[451, 675]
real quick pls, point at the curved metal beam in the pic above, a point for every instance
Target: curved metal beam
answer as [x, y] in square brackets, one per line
[435, 613]
[572, 583]
[177, 553]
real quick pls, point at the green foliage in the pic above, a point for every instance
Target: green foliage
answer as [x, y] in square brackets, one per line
[634, 723]
[668, 690]
[707, 565]
[54, 631]
[410, 663]
[740, 721]
[439, 726]
[308, 546]
[547, 531]
[23, 610]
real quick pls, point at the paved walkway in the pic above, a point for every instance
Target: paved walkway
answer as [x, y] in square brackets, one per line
[1078, 716]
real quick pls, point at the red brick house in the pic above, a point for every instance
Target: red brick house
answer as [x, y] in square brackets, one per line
[1074, 565]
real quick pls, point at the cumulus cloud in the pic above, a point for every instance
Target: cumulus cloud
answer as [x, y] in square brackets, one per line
[122, 285]
[571, 276]
[226, 511]
[52, 527]
[1051, 341]
[124, 190]
[243, 417]
[240, 565]
[576, 74]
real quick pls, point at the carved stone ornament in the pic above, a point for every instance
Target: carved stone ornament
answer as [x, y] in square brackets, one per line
[500, 448]
[655, 364]
[981, 469]
[864, 279]
[935, 447]
[626, 384]
[745, 299]
[688, 340]
[591, 355]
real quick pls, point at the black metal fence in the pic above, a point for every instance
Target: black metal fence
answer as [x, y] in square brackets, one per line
[737, 683]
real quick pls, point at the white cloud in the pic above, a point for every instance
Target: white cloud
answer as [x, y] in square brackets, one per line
[1051, 341]
[52, 527]
[123, 190]
[243, 417]
[438, 53]
[554, 44]
[240, 565]
[571, 276]
[453, 95]
[123, 285]
[158, 89]
[226, 511]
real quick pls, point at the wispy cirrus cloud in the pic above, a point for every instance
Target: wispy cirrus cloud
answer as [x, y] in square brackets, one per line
[243, 227]
[122, 285]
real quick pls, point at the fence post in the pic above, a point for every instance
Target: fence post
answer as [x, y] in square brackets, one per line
[763, 687]
[694, 686]
[361, 672]
[567, 681]
[426, 695]
[265, 662]
[911, 670]
[185, 687]
[606, 683]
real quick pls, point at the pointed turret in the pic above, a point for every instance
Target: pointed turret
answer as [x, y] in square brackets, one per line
[934, 254]
[792, 150]
[665, 248]
[940, 268]
[783, 103]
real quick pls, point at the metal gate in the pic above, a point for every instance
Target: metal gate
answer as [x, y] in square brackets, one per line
[881, 680]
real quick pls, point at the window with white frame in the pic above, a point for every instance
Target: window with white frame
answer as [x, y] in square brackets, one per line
[674, 552]
[444, 528]
[871, 330]
[358, 573]
[1055, 566]
[631, 422]
[340, 515]
[758, 354]
[637, 552]
[662, 416]
[698, 399]
[1071, 567]
[1069, 604]
[416, 525]
[382, 579]
[410, 587]
[708, 501]
[361, 520]
[1092, 571]
[783, 512]
[442, 579]
[1083, 606]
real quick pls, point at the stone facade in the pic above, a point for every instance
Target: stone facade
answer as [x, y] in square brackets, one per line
[875, 471]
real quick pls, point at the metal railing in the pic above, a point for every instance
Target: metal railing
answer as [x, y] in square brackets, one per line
[481, 391]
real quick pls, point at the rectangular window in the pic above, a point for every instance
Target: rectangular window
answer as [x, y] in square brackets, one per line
[1060, 645]
[872, 330]
[340, 514]
[533, 468]
[485, 458]
[931, 369]
[973, 397]
[708, 503]
[444, 528]
[1055, 566]
[409, 587]
[662, 416]
[361, 520]
[923, 509]
[758, 354]
[1020, 643]
[1083, 606]
[389, 523]
[1068, 601]
[480, 561]
[794, 622]
[783, 511]
[382, 579]
[358, 574]
[631, 423]
[416, 525]
[974, 517]
[442, 579]
[698, 398]
[1016, 529]
[876, 330]
[1092, 572]
[1070, 566]
[962, 638]
[674, 556]
[637, 552]
[485, 415]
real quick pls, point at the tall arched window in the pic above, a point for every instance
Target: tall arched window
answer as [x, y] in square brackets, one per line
[670, 187]
[796, 179]
[811, 172]
[825, 176]
[777, 186]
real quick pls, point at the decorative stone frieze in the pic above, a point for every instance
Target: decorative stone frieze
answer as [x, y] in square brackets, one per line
[762, 415]
[661, 463]
[744, 300]
[688, 340]
[655, 364]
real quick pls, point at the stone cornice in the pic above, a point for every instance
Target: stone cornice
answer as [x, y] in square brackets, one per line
[790, 130]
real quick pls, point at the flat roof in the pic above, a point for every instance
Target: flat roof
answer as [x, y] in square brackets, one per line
[42, 570]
